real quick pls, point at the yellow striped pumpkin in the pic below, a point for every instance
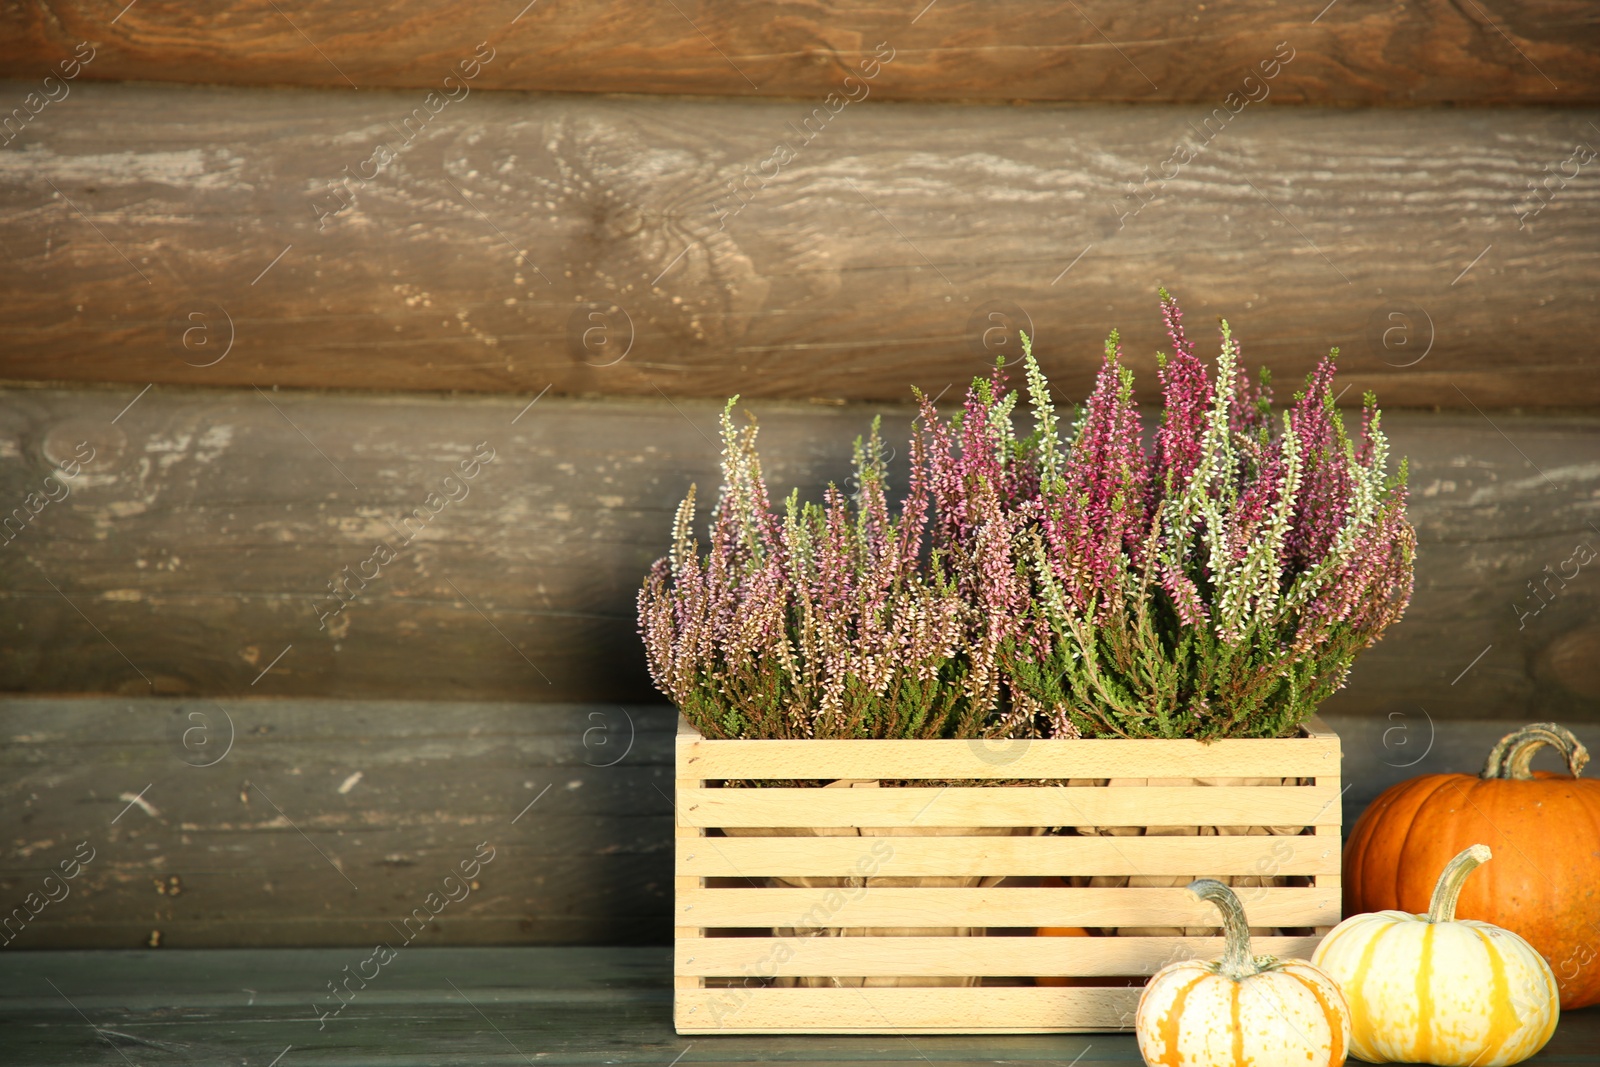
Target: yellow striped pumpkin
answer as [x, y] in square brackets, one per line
[1435, 989]
[1240, 1009]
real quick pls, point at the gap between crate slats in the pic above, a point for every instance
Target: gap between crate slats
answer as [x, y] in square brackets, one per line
[1013, 907]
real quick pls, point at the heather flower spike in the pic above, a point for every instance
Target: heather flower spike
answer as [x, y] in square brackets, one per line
[824, 622]
[1066, 582]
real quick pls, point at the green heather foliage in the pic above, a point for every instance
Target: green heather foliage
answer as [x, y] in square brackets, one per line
[1217, 582]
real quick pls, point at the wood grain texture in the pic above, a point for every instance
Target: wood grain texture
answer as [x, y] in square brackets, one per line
[1001, 957]
[201, 541]
[1022, 806]
[1499, 52]
[329, 824]
[672, 247]
[566, 1007]
[591, 863]
[924, 1010]
[1020, 758]
[974, 857]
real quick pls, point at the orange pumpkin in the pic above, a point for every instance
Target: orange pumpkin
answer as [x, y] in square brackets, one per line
[1062, 931]
[1545, 829]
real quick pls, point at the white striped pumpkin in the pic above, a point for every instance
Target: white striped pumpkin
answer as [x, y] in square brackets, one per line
[1240, 1010]
[1438, 990]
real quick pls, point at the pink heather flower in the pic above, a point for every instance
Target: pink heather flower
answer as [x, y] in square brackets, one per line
[1186, 391]
[1218, 583]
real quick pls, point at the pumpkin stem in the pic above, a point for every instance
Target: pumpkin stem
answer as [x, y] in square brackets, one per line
[1510, 758]
[1447, 890]
[1236, 959]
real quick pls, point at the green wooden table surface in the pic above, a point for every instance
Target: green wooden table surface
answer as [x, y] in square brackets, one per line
[261, 1007]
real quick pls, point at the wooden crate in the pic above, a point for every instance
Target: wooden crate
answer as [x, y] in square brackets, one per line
[731, 922]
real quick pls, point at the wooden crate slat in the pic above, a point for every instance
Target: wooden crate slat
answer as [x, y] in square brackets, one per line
[1006, 759]
[1030, 806]
[930, 907]
[1318, 727]
[686, 839]
[928, 1010]
[733, 957]
[734, 857]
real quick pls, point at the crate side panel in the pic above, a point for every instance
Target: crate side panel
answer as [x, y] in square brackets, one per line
[1012, 806]
[905, 1010]
[1299, 757]
[946, 956]
[968, 857]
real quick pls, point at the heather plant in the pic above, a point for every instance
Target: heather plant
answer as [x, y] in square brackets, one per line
[1218, 584]
[1072, 581]
[831, 620]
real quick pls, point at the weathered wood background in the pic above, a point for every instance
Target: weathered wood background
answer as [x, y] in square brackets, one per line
[313, 822]
[202, 540]
[1354, 52]
[281, 312]
[170, 234]
[251, 829]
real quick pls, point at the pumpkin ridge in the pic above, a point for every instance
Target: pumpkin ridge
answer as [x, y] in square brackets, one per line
[1325, 947]
[1336, 1052]
[1398, 868]
[1500, 1029]
[1238, 1030]
[1555, 998]
[1354, 862]
[1424, 1036]
[1363, 836]
[1170, 1022]
[1551, 885]
[1588, 799]
[1358, 981]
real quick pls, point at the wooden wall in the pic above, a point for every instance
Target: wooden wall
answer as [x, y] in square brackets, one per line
[206, 532]
[636, 247]
[283, 268]
[1487, 51]
[252, 811]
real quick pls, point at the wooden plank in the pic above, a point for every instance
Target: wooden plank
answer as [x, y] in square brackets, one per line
[594, 245]
[941, 907]
[1001, 957]
[331, 822]
[914, 857]
[1019, 806]
[227, 1006]
[687, 843]
[202, 540]
[1020, 758]
[926, 1010]
[200, 544]
[1318, 727]
[1009, 50]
